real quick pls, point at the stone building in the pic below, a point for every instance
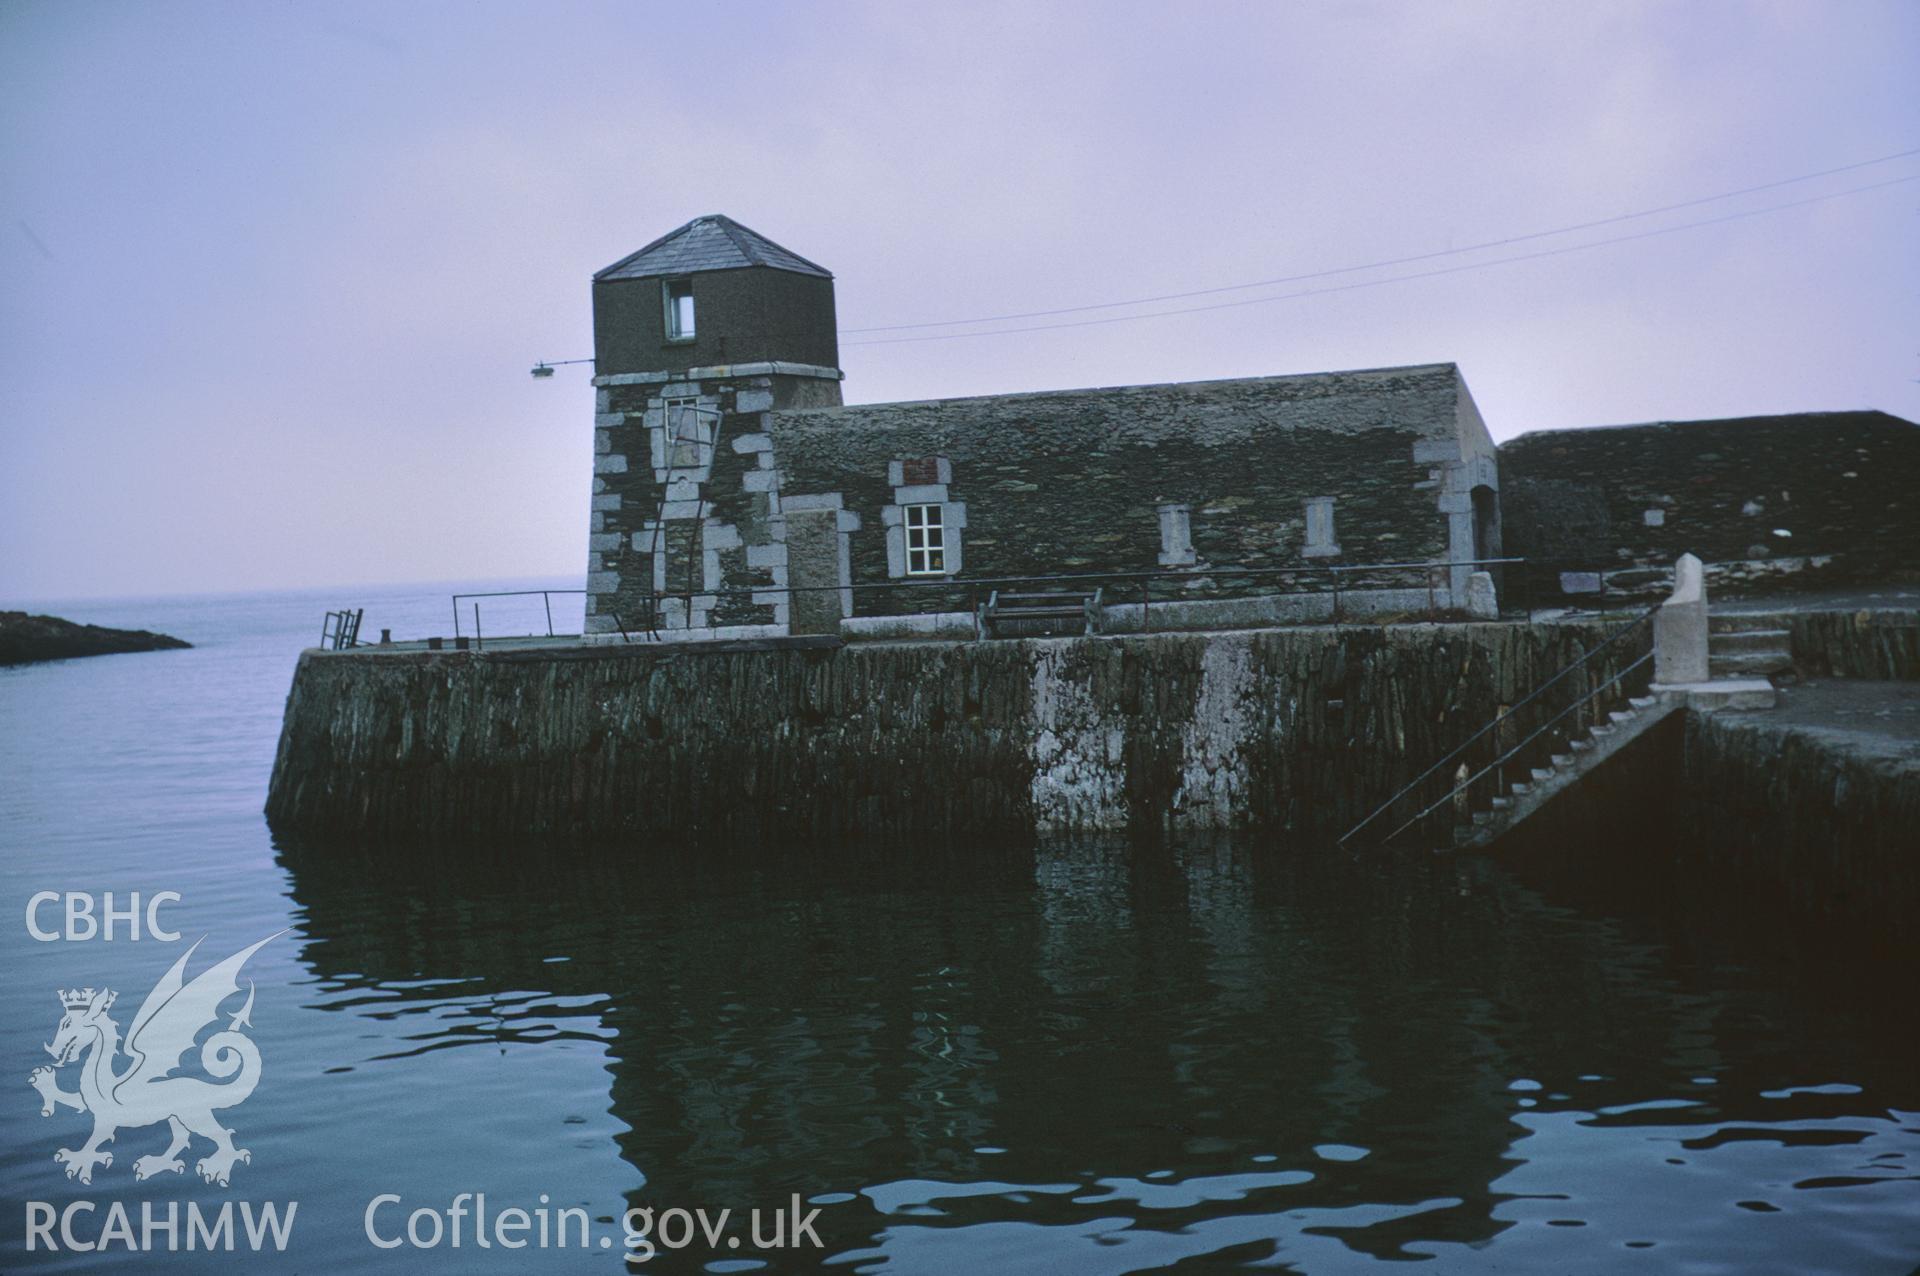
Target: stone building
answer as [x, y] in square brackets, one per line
[1771, 502]
[733, 493]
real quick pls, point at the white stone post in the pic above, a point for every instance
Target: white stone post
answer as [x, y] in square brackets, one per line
[1482, 604]
[1680, 628]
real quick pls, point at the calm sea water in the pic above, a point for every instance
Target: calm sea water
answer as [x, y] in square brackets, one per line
[1083, 1059]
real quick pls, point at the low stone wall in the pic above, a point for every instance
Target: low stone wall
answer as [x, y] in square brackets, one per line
[1259, 611]
[1882, 644]
[1293, 731]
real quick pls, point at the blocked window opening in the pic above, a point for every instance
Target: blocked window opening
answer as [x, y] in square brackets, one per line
[678, 296]
[926, 541]
[1176, 536]
[919, 471]
[1320, 538]
[691, 433]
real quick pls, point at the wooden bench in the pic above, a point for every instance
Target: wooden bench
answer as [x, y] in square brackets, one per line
[1028, 615]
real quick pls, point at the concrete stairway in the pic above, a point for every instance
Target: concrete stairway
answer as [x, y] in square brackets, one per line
[1605, 739]
[1748, 646]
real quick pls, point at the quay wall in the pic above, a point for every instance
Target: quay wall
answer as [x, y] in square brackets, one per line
[1828, 824]
[1882, 644]
[1296, 731]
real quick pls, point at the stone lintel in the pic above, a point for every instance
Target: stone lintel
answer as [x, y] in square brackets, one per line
[822, 501]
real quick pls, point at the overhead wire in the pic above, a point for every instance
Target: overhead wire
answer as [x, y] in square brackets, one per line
[1396, 261]
[1367, 283]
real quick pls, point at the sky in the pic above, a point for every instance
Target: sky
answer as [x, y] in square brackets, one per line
[272, 275]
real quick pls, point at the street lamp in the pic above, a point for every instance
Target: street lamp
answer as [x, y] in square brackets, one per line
[543, 369]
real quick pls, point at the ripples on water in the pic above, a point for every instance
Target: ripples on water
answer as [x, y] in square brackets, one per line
[1080, 1059]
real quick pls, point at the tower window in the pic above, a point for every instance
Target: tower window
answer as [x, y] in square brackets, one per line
[926, 541]
[678, 296]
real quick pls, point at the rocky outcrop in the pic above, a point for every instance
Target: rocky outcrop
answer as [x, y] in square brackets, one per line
[1290, 731]
[25, 639]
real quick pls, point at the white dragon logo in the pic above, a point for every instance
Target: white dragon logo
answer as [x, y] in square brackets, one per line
[146, 1093]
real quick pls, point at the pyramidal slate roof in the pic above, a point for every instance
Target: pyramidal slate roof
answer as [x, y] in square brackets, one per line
[713, 242]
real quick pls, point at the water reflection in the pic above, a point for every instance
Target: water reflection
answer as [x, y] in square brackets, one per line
[1095, 1058]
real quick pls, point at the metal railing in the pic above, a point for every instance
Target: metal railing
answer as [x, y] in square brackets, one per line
[341, 629]
[1499, 762]
[545, 595]
[1501, 719]
[1434, 579]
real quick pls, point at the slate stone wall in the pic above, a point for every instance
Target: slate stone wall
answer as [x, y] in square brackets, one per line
[1033, 484]
[1801, 500]
[1072, 482]
[740, 316]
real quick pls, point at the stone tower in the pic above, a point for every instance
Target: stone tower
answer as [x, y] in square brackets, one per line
[695, 336]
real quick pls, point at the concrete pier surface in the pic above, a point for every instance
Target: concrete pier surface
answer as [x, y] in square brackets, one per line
[1874, 721]
[1896, 597]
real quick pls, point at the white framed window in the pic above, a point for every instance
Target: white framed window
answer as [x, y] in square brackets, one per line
[677, 296]
[926, 540]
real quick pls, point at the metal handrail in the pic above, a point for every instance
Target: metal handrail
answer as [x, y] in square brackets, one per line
[1510, 754]
[545, 597]
[1333, 570]
[962, 582]
[340, 630]
[974, 585]
[1188, 575]
[1498, 719]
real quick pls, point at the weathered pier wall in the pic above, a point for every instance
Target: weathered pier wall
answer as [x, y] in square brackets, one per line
[1829, 822]
[1804, 812]
[1877, 643]
[1294, 731]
